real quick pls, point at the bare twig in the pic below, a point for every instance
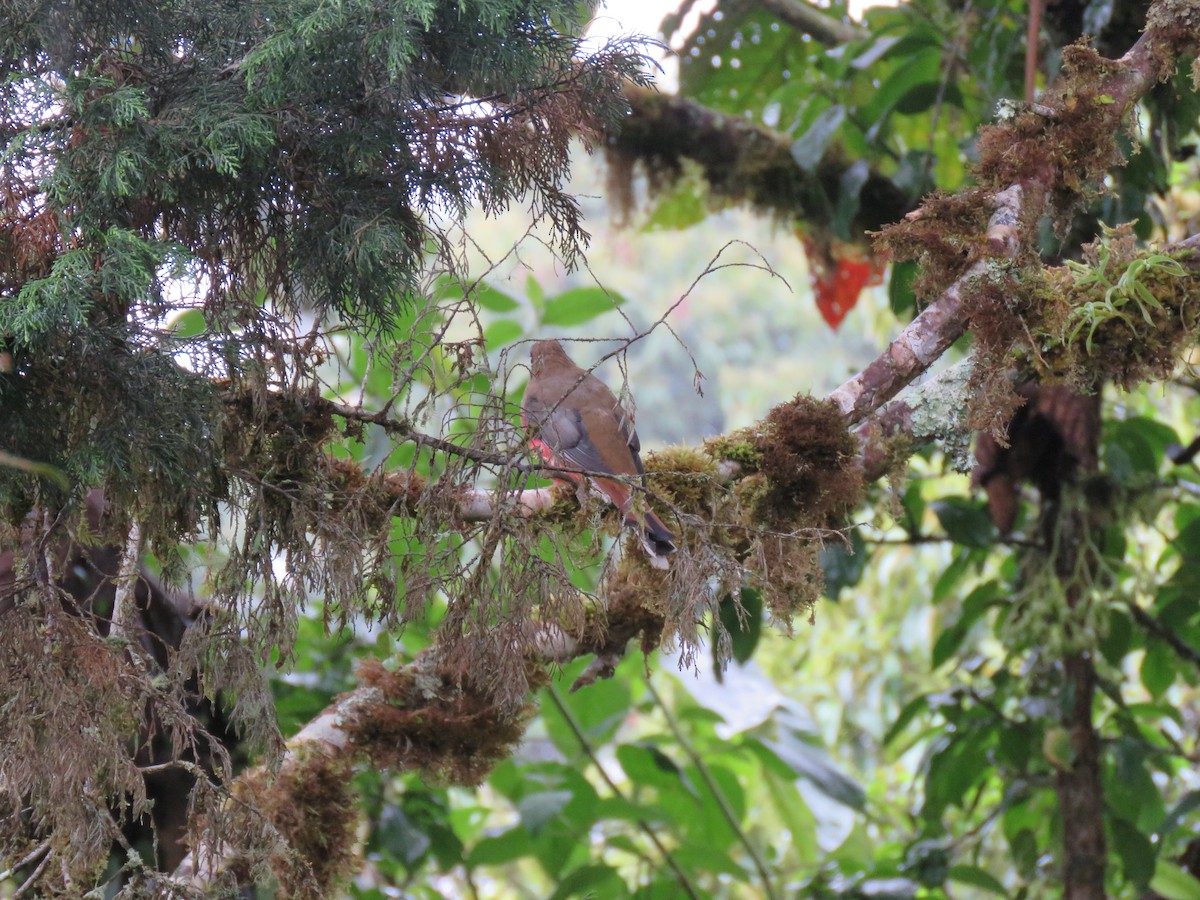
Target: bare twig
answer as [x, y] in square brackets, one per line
[727, 812]
[643, 825]
[28, 884]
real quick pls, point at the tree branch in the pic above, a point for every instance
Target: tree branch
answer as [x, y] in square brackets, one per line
[742, 162]
[814, 22]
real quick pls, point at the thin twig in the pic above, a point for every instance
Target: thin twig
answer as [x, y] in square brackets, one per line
[1166, 635]
[43, 847]
[586, 746]
[715, 789]
[29, 882]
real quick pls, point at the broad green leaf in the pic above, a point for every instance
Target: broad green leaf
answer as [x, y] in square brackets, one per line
[1136, 852]
[909, 712]
[902, 301]
[575, 307]
[957, 766]
[400, 836]
[1173, 883]
[974, 607]
[559, 850]
[920, 67]
[533, 290]
[842, 564]
[966, 521]
[1129, 787]
[501, 333]
[539, 808]
[809, 149]
[503, 848]
[597, 881]
[189, 324]
[1133, 447]
[1117, 638]
[1187, 804]
[744, 629]
[977, 878]
[1024, 849]
[494, 300]
[951, 576]
[646, 765]
[598, 710]
[796, 816]
[1159, 668]
[694, 858]
[845, 208]
[813, 764]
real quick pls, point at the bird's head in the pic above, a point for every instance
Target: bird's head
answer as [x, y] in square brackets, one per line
[547, 354]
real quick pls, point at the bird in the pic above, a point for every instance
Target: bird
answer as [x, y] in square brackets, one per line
[574, 421]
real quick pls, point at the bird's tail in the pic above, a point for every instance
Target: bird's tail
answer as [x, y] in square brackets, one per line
[656, 538]
[658, 541]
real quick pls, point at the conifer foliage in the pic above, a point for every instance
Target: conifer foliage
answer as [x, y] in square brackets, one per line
[279, 169]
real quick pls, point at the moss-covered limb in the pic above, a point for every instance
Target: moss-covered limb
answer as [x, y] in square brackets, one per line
[742, 163]
[424, 716]
[987, 279]
[1121, 315]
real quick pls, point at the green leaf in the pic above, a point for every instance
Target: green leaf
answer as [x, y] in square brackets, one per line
[1129, 786]
[1173, 883]
[1158, 669]
[540, 808]
[1024, 849]
[598, 710]
[1134, 849]
[494, 300]
[503, 848]
[501, 333]
[978, 878]
[1188, 803]
[903, 300]
[646, 765]
[796, 815]
[974, 607]
[966, 521]
[1117, 638]
[919, 69]
[400, 835]
[744, 630]
[842, 564]
[591, 881]
[951, 576]
[959, 763]
[696, 857]
[575, 307]
[533, 290]
[189, 324]
[809, 149]
[1129, 449]
[850, 186]
[910, 711]
[812, 764]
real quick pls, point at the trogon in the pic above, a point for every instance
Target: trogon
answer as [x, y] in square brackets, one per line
[574, 421]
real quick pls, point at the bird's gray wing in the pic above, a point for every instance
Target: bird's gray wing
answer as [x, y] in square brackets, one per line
[563, 431]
